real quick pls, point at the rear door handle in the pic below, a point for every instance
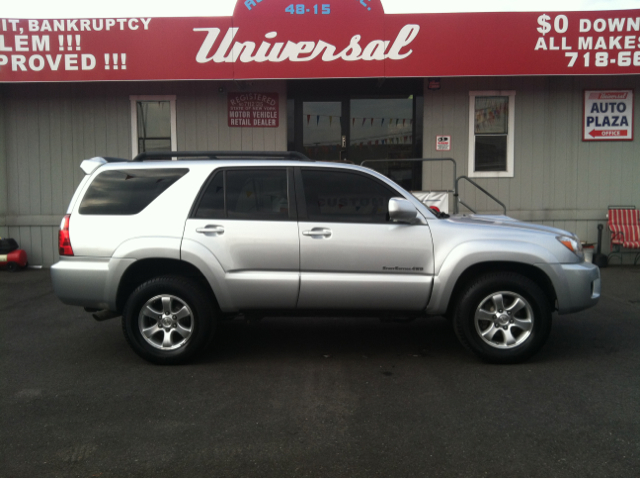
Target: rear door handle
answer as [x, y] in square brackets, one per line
[211, 229]
[324, 232]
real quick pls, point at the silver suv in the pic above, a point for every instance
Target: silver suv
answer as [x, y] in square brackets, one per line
[174, 246]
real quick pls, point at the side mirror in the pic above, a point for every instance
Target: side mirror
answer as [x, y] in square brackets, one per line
[402, 211]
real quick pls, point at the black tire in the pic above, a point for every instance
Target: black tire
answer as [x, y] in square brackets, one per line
[188, 329]
[13, 267]
[518, 331]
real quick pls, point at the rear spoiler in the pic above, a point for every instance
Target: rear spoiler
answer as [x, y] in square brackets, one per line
[92, 164]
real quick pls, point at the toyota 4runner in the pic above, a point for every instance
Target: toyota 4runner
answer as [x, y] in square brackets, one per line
[175, 246]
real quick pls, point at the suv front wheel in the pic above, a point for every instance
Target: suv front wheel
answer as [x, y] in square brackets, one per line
[503, 317]
[168, 320]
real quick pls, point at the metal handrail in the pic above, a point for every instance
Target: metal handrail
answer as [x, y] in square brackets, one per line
[455, 192]
[504, 208]
[467, 206]
[416, 159]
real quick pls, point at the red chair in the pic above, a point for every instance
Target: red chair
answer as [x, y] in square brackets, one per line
[624, 225]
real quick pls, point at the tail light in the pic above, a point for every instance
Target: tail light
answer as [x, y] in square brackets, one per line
[64, 240]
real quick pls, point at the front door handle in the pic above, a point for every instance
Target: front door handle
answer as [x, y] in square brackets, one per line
[324, 232]
[211, 229]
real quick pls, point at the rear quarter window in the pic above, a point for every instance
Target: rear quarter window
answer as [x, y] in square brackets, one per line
[127, 192]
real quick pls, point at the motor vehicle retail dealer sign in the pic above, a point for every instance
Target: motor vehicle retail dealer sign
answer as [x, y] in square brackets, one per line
[255, 110]
[608, 115]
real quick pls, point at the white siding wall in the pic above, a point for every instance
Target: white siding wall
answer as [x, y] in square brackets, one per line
[559, 179]
[47, 130]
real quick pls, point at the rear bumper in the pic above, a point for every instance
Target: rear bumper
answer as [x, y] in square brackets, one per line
[88, 282]
[581, 288]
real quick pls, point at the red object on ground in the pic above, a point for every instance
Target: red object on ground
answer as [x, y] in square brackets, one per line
[14, 260]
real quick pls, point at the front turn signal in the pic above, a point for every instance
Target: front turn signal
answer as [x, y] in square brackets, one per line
[573, 244]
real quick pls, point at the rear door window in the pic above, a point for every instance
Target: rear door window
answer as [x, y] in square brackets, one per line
[247, 194]
[127, 192]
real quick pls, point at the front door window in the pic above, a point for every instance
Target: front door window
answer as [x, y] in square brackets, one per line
[344, 197]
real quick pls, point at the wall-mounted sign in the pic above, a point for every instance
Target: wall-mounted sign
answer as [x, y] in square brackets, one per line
[253, 110]
[443, 142]
[433, 83]
[608, 115]
[277, 39]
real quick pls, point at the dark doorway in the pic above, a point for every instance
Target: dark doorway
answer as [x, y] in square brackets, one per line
[357, 120]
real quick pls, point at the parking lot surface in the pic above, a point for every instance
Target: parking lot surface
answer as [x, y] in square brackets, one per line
[317, 397]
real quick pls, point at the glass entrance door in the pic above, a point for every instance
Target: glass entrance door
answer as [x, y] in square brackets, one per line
[380, 129]
[322, 129]
[334, 120]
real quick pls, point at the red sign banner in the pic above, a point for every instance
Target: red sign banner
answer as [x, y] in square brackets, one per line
[254, 110]
[608, 133]
[344, 39]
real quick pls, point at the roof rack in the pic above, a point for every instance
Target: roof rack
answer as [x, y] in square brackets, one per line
[112, 159]
[221, 155]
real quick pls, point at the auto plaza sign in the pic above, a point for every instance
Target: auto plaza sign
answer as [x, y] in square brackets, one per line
[341, 39]
[608, 115]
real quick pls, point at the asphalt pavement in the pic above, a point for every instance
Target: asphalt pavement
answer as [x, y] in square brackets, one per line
[317, 397]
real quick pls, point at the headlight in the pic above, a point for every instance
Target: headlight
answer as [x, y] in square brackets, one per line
[573, 244]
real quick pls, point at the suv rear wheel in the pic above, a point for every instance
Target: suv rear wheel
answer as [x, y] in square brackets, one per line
[503, 317]
[168, 320]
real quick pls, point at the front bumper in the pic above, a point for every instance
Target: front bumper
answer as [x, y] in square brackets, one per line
[581, 288]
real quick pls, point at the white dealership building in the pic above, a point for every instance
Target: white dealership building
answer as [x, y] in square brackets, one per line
[538, 108]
